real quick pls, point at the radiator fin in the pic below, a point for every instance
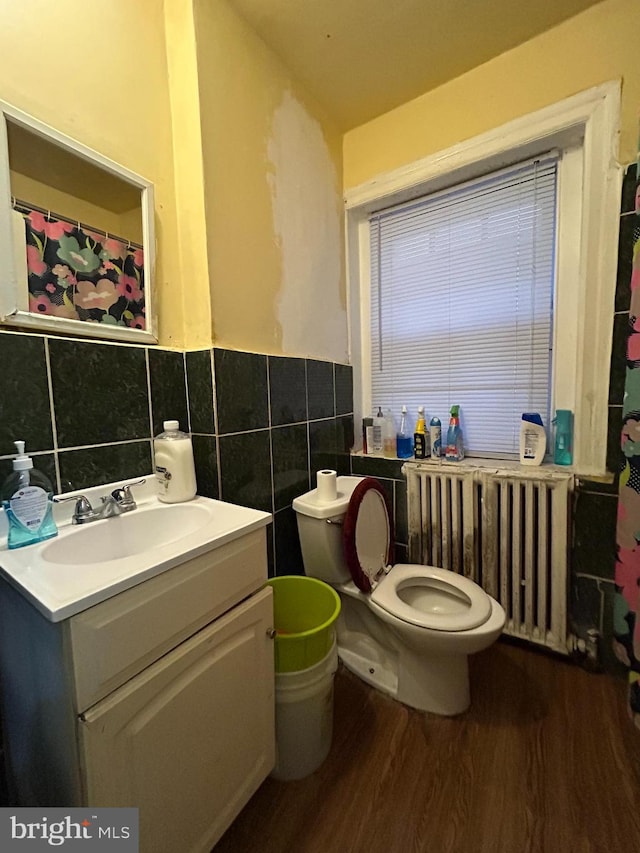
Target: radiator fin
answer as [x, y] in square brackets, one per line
[507, 529]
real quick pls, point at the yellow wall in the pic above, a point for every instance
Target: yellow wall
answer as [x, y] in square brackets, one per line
[598, 45]
[98, 72]
[272, 173]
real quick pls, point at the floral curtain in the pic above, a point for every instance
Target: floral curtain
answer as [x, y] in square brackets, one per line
[627, 599]
[80, 273]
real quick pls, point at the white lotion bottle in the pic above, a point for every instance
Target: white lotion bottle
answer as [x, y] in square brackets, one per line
[173, 464]
[533, 439]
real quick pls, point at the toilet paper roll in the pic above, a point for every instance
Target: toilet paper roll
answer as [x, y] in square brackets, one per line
[327, 487]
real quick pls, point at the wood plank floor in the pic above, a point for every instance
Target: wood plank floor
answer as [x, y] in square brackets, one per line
[545, 761]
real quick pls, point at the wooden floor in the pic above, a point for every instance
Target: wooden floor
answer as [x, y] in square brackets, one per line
[545, 761]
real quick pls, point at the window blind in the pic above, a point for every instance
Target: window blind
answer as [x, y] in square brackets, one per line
[462, 286]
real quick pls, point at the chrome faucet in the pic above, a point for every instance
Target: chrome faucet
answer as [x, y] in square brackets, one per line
[118, 502]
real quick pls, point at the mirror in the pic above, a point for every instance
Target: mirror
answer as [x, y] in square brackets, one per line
[76, 237]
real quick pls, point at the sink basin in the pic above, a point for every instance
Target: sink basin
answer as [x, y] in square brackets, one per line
[86, 564]
[126, 535]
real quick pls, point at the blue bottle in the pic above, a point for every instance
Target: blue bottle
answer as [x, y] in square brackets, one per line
[404, 438]
[27, 500]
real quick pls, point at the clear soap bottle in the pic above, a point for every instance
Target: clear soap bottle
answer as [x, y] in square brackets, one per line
[389, 435]
[27, 499]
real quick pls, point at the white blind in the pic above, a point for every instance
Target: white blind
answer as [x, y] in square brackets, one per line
[462, 287]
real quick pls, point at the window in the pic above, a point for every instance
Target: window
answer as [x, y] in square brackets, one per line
[462, 303]
[583, 130]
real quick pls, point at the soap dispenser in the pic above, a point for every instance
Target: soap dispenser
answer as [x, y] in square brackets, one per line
[27, 497]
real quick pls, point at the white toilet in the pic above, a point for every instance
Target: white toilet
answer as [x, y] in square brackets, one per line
[405, 629]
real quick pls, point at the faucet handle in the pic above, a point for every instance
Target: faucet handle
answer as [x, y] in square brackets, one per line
[123, 494]
[83, 509]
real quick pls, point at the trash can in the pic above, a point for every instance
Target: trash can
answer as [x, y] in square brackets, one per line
[306, 660]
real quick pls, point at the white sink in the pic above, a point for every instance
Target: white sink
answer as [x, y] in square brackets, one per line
[86, 564]
[127, 535]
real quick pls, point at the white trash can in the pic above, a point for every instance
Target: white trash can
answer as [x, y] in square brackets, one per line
[304, 718]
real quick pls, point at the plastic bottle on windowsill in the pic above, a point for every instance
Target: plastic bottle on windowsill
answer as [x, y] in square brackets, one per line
[533, 439]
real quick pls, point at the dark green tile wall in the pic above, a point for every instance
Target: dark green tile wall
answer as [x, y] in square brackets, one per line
[261, 425]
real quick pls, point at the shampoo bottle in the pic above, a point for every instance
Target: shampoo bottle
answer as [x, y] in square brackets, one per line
[455, 448]
[533, 439]
[174, 467]
[404, 439]
[420, 442]
[435, 434]
[27, 500]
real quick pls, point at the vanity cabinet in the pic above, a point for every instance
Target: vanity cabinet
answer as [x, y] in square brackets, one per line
[161, 698]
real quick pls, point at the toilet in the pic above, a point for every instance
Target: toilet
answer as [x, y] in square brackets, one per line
[405, 629]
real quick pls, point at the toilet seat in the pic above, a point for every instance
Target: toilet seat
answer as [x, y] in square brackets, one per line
[449, 602]
[425, 596]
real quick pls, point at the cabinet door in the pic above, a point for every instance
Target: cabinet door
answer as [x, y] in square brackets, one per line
[190, 739]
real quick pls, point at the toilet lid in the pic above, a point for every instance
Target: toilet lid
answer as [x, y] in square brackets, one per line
[367, 535]
[432, 598]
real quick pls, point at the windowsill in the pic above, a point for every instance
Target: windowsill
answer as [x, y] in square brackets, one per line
[483, 462]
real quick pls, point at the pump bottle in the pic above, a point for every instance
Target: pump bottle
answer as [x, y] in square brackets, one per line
[27, 500]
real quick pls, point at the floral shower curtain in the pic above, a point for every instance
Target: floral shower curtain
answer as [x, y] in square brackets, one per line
[627, 599]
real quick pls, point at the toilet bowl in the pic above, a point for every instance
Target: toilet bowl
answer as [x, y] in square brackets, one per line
[406, 629]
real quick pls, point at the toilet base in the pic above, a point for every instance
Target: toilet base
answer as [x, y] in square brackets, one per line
[438, 684]
[426, 680]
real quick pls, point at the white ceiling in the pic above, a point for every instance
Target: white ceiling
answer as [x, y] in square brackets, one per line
[361, 58]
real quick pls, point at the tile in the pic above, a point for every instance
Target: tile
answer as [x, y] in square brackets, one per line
[344, 444]
[168, 389]
[200, 386]
[344, 389]
[376, 466]
[45, 463]
[629, 189]
[323, 451]
[400, 509]
[287, 544]
[584, 605]
[594, 534]
[615, 457]
[288, 390]
[320, 390]
[100, 392]
[290, 463]
[111, 463]
[271, 557]
[241, 391]
[401, 553]
[25, 412]
[245, 469]
[601, 488]
[618, 364]
[625, 259]
[206, 463]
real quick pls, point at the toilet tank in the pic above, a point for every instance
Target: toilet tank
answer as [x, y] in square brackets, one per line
[320, 529]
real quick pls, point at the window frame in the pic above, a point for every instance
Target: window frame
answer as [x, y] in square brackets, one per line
[585, 129]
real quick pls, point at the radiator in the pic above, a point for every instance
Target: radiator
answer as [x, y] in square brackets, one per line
[505, 528]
